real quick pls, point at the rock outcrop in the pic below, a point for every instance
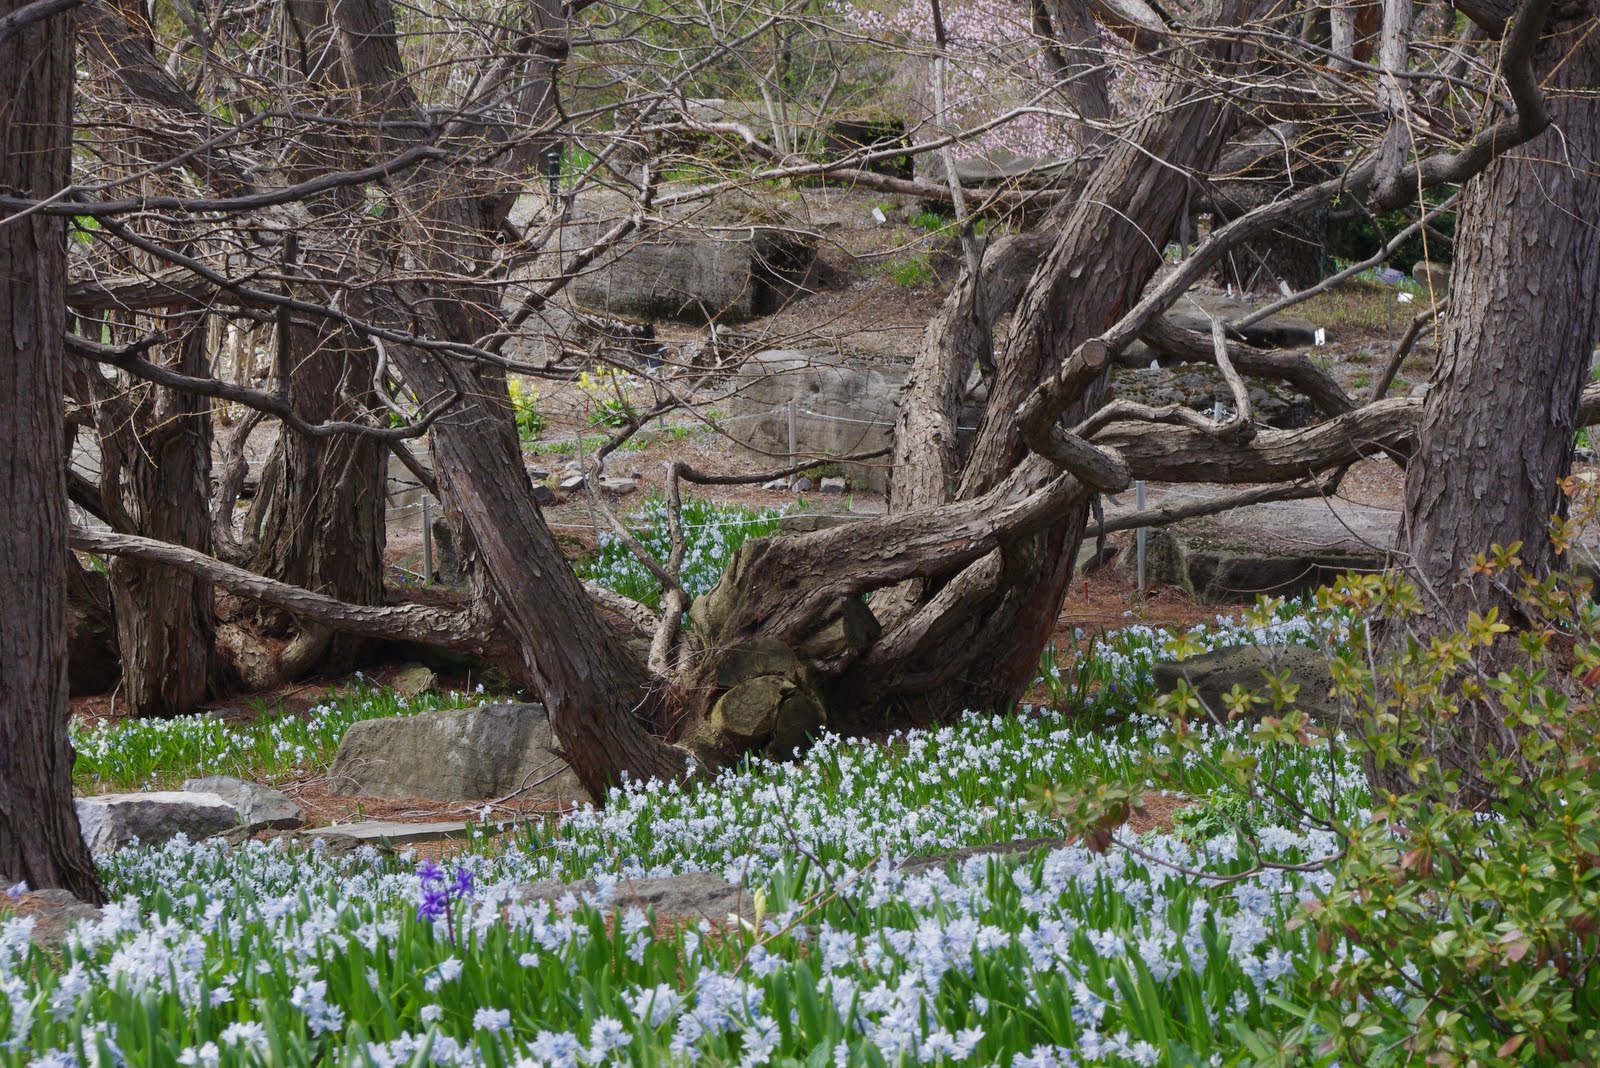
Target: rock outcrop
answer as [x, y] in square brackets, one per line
[465, 754]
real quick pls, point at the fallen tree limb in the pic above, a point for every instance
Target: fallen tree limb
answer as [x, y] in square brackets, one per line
[446, 628]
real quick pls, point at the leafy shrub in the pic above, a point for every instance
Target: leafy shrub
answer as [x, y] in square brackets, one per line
[912, 272]
[610, 393]
[1361, 236]
[1461, 924]
[531, 423]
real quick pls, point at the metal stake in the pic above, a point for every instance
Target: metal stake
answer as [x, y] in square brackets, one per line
[427, 541]
[792, 449]
[1138, 503]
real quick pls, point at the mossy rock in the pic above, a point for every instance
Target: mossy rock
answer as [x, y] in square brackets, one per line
[749, 711]
[849, 632]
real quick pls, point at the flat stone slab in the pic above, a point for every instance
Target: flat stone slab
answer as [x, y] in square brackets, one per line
[111, 821]
[693, 895]
[259, 807]
[1194, 311]
[1018, 847]
[398, 833]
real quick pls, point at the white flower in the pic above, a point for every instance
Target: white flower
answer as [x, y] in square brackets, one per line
[491, 1019]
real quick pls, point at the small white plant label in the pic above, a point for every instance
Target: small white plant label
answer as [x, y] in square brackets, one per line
[1321, 337]
[877, 213]
[1404, 298]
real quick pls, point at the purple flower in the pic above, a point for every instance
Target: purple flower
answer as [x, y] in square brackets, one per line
[429, 872]
[462, 887]
[435, 903]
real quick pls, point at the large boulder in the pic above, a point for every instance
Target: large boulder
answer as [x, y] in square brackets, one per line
[725, 260]
[1280, 548]
[842, 407]
[258, 807]
[1213, 675]
[1195, 311]
[462, 754]
[111, 821]
[1201, 387]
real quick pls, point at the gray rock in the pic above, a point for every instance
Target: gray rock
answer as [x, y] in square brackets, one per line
[619, 486]
[842, 407]
[803, 484]
[1432, 276]
[464, 754]
[543, 493]
[258, 807]
[832, 485]
[1137, 354]
[1001, 167]
[1196, 310]
[413, 680]
[781, 484]
[111, 821]
[54, 912]
[807, 522]
[1280, 548]
[694, 896]
[572, 482]
[397, 833]
[1201, 387]
[1019, 847]
[1214, 674]
[733, 259]
[1166, 561]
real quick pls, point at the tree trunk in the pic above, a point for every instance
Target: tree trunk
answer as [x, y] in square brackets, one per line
[1497, 426]
[156, 461]
[324, 527]
[991, 590]
[1106, 250]
[40, 841]
[599, 694]
[1500, 414]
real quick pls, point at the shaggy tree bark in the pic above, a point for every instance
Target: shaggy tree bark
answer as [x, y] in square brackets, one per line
[40, 841]
[601, 698]
[1519, 333]
[322, 525]
[155, 448]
